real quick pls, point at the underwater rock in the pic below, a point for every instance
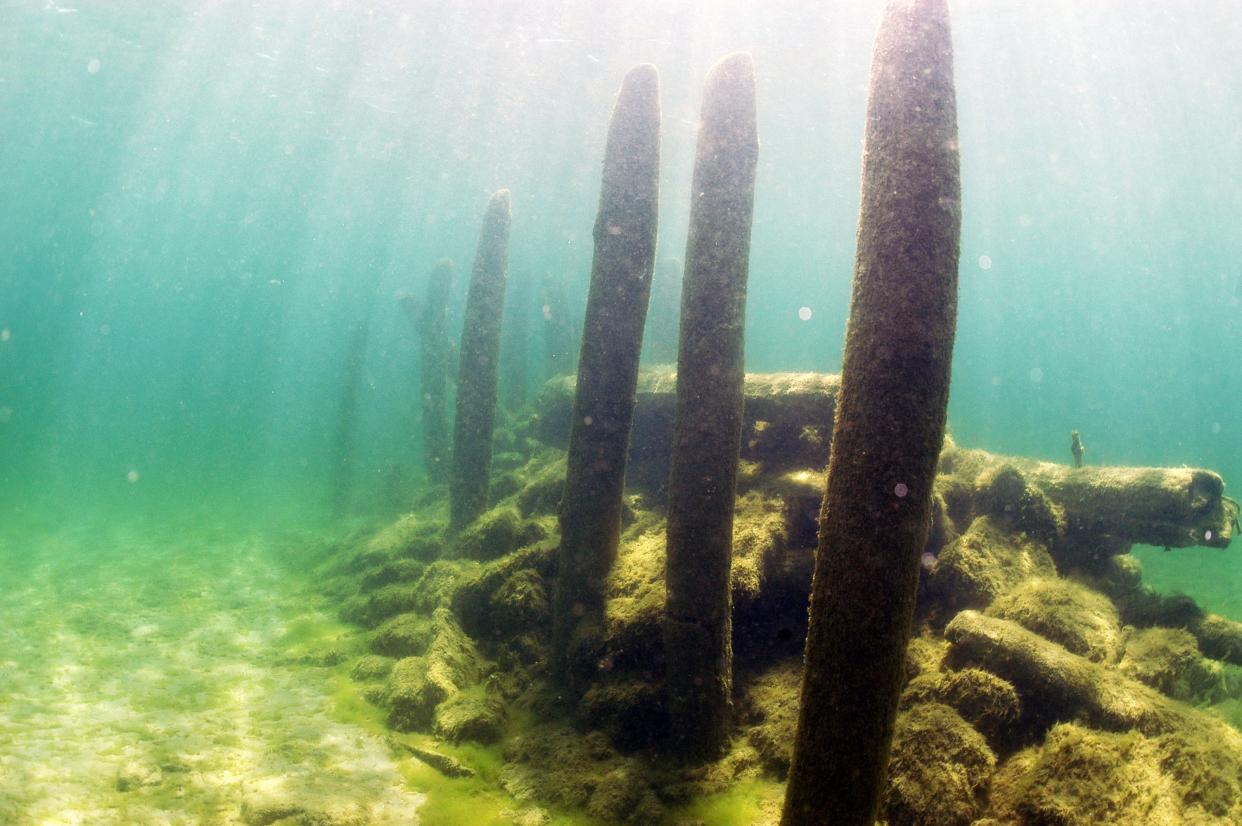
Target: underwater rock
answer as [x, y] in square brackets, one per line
[445, 764]
[533, 816]
[769, 712]
[417, 685]
[1169, 660]
[560, 767]
[408, 537]
[987, 702]
[484, 614]
[1082, 620]
[398, 570]
[521, 602]
[603, 408]
[545, 481]
[371, 667]
[1080, 777]
[939, 769]
[470, 715]
[985, 562]
[708, 421]
[404, 635]
[1219, 638]
[890, 423]
[621, 796]
[496, 533]
[478, 368]
[631, 711]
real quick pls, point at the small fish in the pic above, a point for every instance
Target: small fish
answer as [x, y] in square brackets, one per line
[82, 120]
[593, 58]
[265, 56]
[1076, 448]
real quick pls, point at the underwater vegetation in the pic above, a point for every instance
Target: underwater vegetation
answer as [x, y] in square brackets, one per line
[618, 612]
[694, 592]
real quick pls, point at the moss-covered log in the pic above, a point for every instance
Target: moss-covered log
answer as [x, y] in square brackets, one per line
[625, 241]
[1172, 507]
[707, 433]
[889, 426]
[1056, 685]
[478, 367]
[786, 421]
[438, 357]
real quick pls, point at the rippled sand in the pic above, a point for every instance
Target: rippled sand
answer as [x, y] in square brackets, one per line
[147, 682]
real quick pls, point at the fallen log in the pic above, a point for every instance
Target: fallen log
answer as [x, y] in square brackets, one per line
[786, 421]
[1057, 686]
[1170, 507]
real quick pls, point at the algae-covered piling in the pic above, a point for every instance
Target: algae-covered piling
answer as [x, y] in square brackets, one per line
[625, 239]
[478, 366]
[431, 321]
[889, 426]
[707, 433]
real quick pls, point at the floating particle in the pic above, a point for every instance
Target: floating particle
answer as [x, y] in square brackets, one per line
[94, 66]
[1036, 375]
[901, 490]
[131, 477]
[985, 262]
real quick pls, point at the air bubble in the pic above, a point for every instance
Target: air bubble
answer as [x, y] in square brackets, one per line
[901, 490]
[804, 313]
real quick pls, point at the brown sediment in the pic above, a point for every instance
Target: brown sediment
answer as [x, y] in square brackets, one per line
[707, 433]
[431, 320]
[625, 239]
[889, 426]
[478, 367]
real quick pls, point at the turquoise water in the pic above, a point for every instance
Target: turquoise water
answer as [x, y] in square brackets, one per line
[201, 203]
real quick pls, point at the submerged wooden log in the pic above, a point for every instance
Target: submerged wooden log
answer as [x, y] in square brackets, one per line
[603, 408]
[1063, 686]
[786, 421]
[478, 367]
[889, 427]
[1171, 507]
[708, 428]
[438, 359]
